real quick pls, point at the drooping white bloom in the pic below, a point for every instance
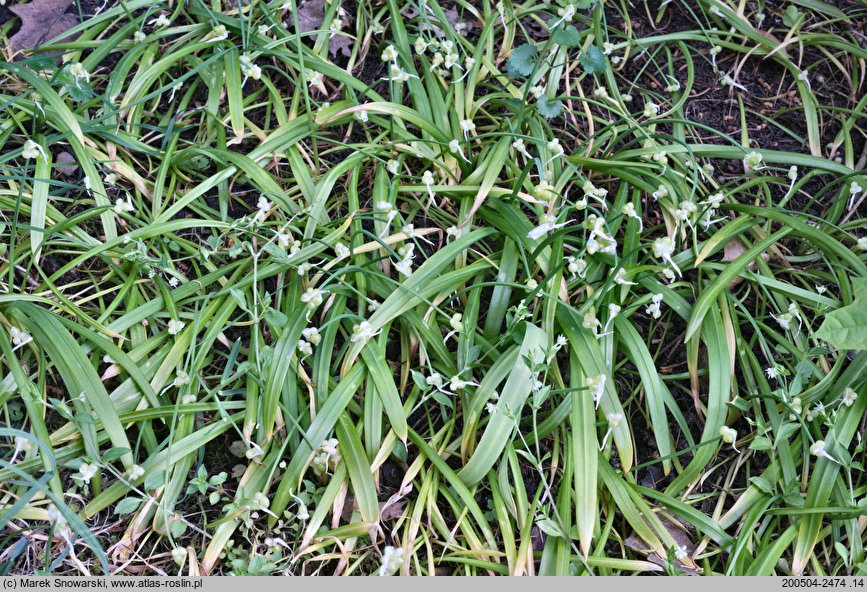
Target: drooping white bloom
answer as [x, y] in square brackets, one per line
[819, 448]
[312, 335]
[849, 396]
[663, 248]
[161, 21]
[305, 348]
[312, 298]
[654, 308]
[363, 332]
[467, 126]
[219, 33]
[428, 179]
[32, 150]
[179, 554]
[123, 205]
[341, 250]
[576, 266]
[753, 160]
[136, 473]
[79, 73]
[175, 326]
[629, 211]
[392, 560]
[651, 109]
[139, 36]
[547, 224]
[729, 436]
[389, 55]
[596, 384]
[620, 278]
[19, 336]
[87, 471]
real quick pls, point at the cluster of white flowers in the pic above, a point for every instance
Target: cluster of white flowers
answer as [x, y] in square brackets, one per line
[576, 266]
[599, 241]
[392, 560]
[311, 338]
[312, 297]
[326, 457]
[654, 308]
[395, 72]
[249, 69]
[444, 57]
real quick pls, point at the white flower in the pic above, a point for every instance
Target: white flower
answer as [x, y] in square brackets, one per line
[576, 266]
[435, 380]
[363, 332]
[555, 148]
[87, 471]
[819, 448]
[849, 396]
[491, 408]
[590, 321]
[614, 310]
[467, 126]
[123, 205]
[312, 298]
[392, 560]
[772, 372]
[179, 554]
[855, 188]
[175, 326]
[629, 211]
[753, 160]
[312, 335]
[607, 48]
[161, 21]
[219, 33]
[139, 36]
[79, 73]
[420, 45]
[620, 278]
[455, 148]
[389, 55]
[862, 242]
[458, 384]
[392, 166]
[729, 436]
[547, 223]
[520, 147]
[341, 250]
[663, 248]
[681, 553]
[305, 348]
[596, 384]
[651, 109]
[784, 320]
[567, 13]
[661, 191]
[428, 180]
[263, 29]
[32, 150]
[654, 310]
[544, 191]
[24, 445]
[19, 336]
[136, 473]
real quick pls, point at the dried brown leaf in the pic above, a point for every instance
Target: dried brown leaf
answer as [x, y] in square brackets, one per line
[41, 21]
